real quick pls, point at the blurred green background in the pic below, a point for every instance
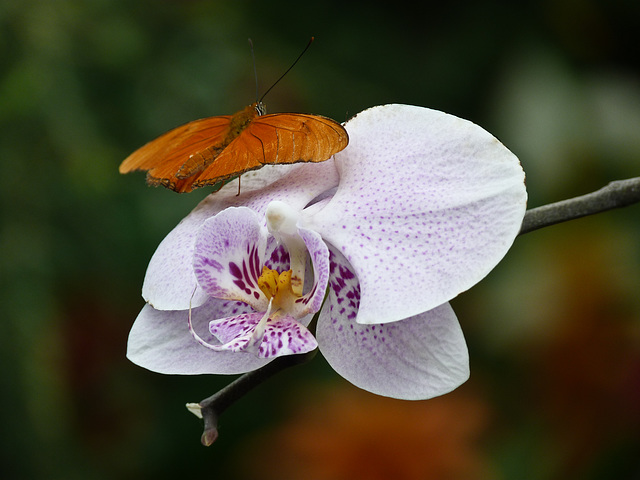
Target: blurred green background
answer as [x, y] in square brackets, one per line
[553, 332]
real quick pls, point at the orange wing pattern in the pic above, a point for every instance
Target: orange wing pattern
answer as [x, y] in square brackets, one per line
[280, 138]
[163, 156]
[217, 149]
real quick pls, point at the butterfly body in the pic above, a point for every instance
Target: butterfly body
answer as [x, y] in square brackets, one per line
[218, 149]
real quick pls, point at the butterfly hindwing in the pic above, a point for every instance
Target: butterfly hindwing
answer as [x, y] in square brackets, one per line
[164, 156]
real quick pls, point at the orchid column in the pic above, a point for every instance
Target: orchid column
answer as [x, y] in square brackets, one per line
[418, 208]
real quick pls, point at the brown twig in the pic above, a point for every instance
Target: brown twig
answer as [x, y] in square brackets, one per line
[211, 408]
[620, 193]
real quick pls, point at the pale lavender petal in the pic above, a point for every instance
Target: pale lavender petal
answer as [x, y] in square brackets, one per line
[301, 184]
[319, 254]
[417, 358]
[427, 205]
[282, 335]
[160, 341]
[296, 184]
[414, 359]
[286, 336]
[228, 329]
[170, 283]
[228, 257]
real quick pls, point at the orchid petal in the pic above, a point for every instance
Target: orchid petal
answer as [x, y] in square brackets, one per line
[416, 358]
[170, 283]
[295, 184]
[319, 253]
[427, 205]
[236, 333]
[286, 336]
[160, 341]
[302, 183]
[227, 329]
[282, 335]
[228, 256]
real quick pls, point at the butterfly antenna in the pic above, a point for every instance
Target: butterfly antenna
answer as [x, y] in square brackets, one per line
[255, 71]
[288, 69]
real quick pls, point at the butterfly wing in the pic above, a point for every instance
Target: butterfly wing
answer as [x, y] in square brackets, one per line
[164, 156]
[297, 137]
[280, 138]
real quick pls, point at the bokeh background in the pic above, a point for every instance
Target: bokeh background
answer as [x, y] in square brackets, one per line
[553, 332]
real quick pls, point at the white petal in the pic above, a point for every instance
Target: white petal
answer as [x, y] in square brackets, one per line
[170, 282]
[414, 359]
[296, 185]
[286, 336]
[229, 254]
[427, 205]
[319, 255]
[160, 341]
[417, 358]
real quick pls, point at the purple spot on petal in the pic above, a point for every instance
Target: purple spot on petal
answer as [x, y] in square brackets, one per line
[235, 270]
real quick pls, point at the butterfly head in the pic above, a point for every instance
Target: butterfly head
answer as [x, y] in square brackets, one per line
[261, 108]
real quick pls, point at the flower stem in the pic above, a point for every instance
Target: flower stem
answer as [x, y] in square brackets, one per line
[212, 407]
[617, 194]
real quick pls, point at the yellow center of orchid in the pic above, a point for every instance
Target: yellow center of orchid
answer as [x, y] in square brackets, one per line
[276, 286]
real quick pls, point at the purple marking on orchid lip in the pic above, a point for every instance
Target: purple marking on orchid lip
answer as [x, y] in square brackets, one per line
[307, 298]
[346, 291]
[285, 336]
[256, 271]
[252, 262]
[258, 268]
[245, 272]
[278, 259]
[240, 284]
[235, 270]
[211, 263]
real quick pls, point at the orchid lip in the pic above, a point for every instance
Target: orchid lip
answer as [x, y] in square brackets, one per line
[236, 238]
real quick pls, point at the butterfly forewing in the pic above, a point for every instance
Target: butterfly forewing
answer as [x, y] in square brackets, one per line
[296, 137]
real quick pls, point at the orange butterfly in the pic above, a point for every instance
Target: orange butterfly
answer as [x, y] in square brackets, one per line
[217, 149]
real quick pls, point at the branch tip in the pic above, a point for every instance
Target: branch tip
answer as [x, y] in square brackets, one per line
[209, 436]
